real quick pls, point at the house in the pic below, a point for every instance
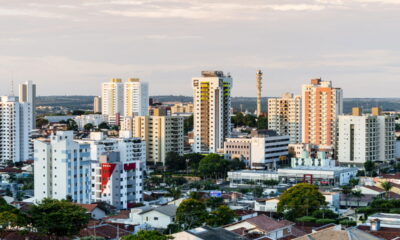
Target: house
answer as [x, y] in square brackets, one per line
[94, 210]
[351, 201]
[263, 226]
[207, 233]
[337, 233]
[104, 230]
[332, 199]
[390, 220]
[266, 205]
[154, 217]
[374, 227]
[377, 191]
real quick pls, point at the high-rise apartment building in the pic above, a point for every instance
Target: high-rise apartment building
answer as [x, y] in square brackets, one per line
[62, 168]
[112, 99]
[136, 98]
[212, 104]
[162, 134]
[284, 116]
[27, 94]
[15, 129]
[321, 105]
[97, 104]
[368, 137]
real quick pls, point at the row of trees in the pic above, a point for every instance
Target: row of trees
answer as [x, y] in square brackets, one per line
[241, 120]
[51, 218]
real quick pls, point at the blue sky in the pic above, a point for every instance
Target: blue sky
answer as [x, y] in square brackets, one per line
[70, 46]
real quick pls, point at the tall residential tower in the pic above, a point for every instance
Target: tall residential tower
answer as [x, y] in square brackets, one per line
[112, 99]
[27, 94]
[136, 98]
[212, 104]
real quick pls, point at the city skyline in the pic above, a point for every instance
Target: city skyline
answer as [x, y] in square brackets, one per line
[352, 43]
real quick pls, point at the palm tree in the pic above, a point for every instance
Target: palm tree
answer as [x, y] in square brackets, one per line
[174, 192]
[358, 195]
[346, 191]
[387, 186]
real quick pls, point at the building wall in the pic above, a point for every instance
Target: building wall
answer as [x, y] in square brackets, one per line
[156, 219]
[238, 148]
[212, 104]
[267, 150]
[136, 98]
[112, 98]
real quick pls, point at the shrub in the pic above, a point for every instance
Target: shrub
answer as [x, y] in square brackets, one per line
[306, 219]
[324, 213]
[325, 221]
[348, 223]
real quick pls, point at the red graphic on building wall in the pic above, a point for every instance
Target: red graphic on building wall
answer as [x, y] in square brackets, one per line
[129, 166]
[106, 172]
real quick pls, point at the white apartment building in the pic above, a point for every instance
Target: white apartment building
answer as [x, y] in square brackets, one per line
[94, 119]
[15, 129]
[266, 149]
[97, 104]
[321, 105]
[136, 98]
[284, 116]
[112, 99]
[27, 94]
[369, 137]
[162, 134]
[62, 168]
[117, 173]
[212, 105]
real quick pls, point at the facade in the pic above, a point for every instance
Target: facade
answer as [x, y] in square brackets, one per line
[331, 176]
[182, 108]
[62, 168]
[154, 217]
[243, 177]
[97, 104]
[136, 98]
[366, 138]
[27, 94]
[15, 129]
[321, 105]
[238, 148]
[297, 150]
[94, 119]
[267, 148]
[321, 160]
[212, 105]
[112, 99]
[163, 134]
[284, 116]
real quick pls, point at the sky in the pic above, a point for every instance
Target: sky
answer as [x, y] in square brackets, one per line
[69, 47]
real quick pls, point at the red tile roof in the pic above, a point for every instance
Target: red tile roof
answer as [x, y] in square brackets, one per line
[104, 230]
[123, 214]
[88, 207]
[384, 232]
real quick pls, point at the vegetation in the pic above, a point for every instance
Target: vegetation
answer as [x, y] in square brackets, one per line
[306, 219]
[387, 186]
[300, 200]
[325, 221]
[369, 167]
[191, 213]
[188, 124]
[325, 213]
[223, 215]
[147, 235]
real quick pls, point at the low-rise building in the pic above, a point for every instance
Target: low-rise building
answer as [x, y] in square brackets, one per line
[320, 160]
[154, 217]
[238, 148]
[207, 233]
[266, 205]
[245, 177]
[94, 119]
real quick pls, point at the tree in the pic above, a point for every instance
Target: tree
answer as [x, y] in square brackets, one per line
[354, 182]
[324, 213]
[369, 167]
[358, 195]
[40, 122]
[236, 164]
[103, 125]
[88, 126]
[213, 166]
[71, 125]
[300, 200]
[191, 213]
[387, 186]
[250, 120]
[214, 202]
[271, 182]
[346, 191]
[58, 218]
[174, 192]
[238, 119]
[223, 215]
[147, 235]
[194, 159]
[8, 219]
[262, 123]
[188, 124]
[257, 192]
[174, 161]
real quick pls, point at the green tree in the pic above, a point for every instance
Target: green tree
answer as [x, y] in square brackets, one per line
[194, 159]
[214, 202]
[172, 228]
[354, 182]
[346, 191]
[146, 235]
[58, 218]
[78, 112]
[8, 219]
[213, 166]
[369, 167]
[71, 125]
[250, 120]
[262, 123]
[270, 182]
[191, 213]
[300, 200]
[103, 125]
[40, 122]
[387, 186]
[358, 195]
[174, 192]
[257, 192]
[238, 120]
[174, 161]
[223, 215]
[324, 213]
[88, 126]
[236, 164]
[188, 124]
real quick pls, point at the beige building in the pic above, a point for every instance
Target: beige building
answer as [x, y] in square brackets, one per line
[97, 104]
[136, 98]
[321, 105]
[162, 134]
[112, 99]
[238, 148]
[182, 108]
[284, 116]
[212, 105]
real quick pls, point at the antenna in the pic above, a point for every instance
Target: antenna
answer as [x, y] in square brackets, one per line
[12, 84]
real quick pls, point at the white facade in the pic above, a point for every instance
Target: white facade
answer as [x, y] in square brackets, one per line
[27, 94]
[284, 116]
[242, 177]
[267, 150]
[136, 98]
[154, 217]
[112, 99]
[94, 119]
[320, 161]
[62, 168]
[15, 129]
[366, 138]
[212, 105]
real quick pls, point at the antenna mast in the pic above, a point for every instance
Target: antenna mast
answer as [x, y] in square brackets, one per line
[259, 86]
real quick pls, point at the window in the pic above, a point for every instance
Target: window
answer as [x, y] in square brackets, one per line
[155, 218]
